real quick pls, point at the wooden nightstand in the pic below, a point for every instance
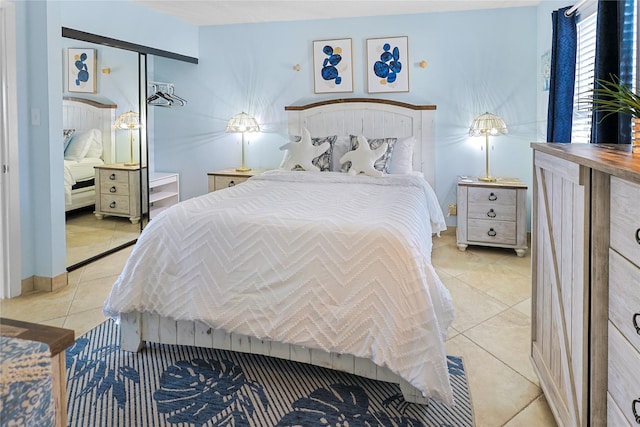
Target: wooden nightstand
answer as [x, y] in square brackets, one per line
[229, 177]
[118, 191]
[492, 214]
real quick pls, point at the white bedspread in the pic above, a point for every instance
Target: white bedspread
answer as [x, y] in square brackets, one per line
[323, 260]
[77, 172]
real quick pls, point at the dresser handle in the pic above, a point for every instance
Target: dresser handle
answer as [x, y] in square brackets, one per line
[493, 197]
[638, 236]
[491, 232]
[112, 205]
[112, 190]
[231, 184]
[491, 213]
[636, 323]
[635, 407]
[112, 177]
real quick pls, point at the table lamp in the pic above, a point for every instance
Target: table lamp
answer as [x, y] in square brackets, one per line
[243, 123]
[129, 120]
[487, 124]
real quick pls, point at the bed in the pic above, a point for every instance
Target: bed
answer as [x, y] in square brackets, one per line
[328, 268]
[89, 138]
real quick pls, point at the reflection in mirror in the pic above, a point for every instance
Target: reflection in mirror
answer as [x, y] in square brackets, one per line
[105, 195]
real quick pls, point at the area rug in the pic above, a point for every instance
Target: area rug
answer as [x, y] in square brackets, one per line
[175, 385]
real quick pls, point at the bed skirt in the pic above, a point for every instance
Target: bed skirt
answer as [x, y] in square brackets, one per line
[136, 328]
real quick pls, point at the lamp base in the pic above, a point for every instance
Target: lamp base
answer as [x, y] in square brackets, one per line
[486, 179]
[243, 169]
[131, 164]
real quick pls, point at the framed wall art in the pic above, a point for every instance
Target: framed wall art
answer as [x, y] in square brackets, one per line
[81, 70]
[388, 64]
[332, 66]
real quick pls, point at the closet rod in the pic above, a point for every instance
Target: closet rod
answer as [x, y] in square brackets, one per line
[575, 7]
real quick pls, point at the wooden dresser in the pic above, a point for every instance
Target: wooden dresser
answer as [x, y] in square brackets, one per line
[585, 255]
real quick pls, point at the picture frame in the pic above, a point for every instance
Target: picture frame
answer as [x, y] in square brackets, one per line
[81, 70]
[388, 64]
[332, 66]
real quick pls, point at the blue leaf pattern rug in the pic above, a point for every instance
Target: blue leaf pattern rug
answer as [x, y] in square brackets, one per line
[175, 385]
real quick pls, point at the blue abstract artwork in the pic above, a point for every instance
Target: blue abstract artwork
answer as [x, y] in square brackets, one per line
[81, 70]
[333, 69]
[387, 61]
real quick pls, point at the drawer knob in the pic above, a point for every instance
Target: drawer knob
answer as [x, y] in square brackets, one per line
[491, 213]
[635, 407]
[493, 197]
[112, 177]
[638, 236]
[636, 322]
[231, 183]
[112, 190]
[112, 205]
[491, 232]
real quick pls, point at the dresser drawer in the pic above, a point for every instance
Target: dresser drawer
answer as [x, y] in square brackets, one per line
[114, 204]
[624, 375]
[228, 181]
[624, 297]
[491, 196]
[615, 417]
[492, 212]
[113, 176]
[625, 221]
[479, 230]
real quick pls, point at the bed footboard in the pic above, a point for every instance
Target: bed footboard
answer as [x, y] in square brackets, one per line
[136, 328]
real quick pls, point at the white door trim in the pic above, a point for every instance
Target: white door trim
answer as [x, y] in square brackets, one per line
[10, 247]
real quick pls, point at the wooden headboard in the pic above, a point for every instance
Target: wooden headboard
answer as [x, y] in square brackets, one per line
[374, 118]
[84, 114]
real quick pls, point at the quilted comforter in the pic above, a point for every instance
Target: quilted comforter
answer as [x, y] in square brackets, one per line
[323, 260]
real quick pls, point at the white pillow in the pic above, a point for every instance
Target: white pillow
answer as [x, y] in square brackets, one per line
[95, 147]
[402, 157]
[363, 158]
[303, 153]
[341, 147]
[81, 143]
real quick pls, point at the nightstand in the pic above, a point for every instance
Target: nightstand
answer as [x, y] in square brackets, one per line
[492, 214]
[229, 177]
[118, 191]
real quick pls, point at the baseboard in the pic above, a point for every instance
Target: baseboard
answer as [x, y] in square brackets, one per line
[44, 284]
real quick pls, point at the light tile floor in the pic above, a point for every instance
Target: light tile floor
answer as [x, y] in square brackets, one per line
[491, 293]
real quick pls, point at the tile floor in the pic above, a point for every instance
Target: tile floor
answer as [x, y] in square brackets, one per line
[490, 289]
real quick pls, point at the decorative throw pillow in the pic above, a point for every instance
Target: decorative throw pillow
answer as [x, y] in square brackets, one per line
[67, 134]
[342, 146]
[81, 143]
[402, 159]
[382, 164]
[307, 154]
[363, 158]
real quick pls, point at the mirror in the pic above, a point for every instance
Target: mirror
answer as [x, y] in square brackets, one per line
[106, 185]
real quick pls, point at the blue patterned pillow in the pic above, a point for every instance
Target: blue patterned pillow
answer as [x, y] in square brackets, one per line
[382, 164]
[67, 134]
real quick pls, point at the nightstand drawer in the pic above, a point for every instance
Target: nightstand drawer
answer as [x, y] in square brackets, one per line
[493, 196]
[487, 231]
[116, 188]
[624, 375]
[228, 181]
[112, 176]
[492, 212]
[624, 297]
[114, 204]
[625, 223]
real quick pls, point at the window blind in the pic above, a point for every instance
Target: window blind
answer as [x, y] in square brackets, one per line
[585, 59]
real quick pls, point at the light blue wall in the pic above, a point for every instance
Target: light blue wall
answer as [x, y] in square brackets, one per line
[478, 61]
[40, 87]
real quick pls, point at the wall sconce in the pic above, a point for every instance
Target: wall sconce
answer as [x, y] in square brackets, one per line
[106, 71]
[296, 67]
[422, 64]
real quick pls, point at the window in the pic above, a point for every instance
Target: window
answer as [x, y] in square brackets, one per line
[585, 59]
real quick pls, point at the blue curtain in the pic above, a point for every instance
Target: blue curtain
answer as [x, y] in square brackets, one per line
[562, 79]
[614, 53]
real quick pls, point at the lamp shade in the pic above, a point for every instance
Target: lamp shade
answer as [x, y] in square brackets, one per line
[488, 123]
[243, 122]
[128, 120]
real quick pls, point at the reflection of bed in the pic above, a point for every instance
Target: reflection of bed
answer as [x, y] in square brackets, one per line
[323, 268]
[92, 122]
